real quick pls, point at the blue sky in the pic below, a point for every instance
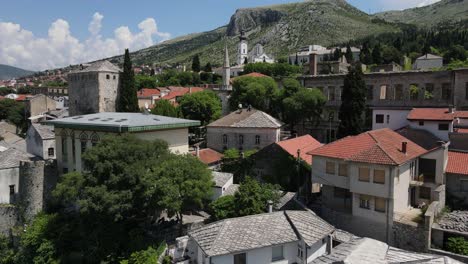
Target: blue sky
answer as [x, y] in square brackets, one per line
[51, 25]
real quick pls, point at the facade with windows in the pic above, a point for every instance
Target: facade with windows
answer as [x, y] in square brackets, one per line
[457, 178]
[40, 141]
[377, 175]
[93, 89]
[279, 237]
[244, 129]
[74, 135]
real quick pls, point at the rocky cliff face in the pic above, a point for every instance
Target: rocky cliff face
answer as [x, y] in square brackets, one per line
[251, 19]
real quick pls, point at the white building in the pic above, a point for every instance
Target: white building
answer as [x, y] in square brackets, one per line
[256, 55]
[377, 175]
[303, 55]
[427, 62]
[73, 135]
[283, 237]
[224, 184]
[40, 141]
[243, 129]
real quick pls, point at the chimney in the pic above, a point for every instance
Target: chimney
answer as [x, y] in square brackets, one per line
[313, 64]
[197, 151]
[190, 90]
[270, 206]
[404, 147]
[451, 109]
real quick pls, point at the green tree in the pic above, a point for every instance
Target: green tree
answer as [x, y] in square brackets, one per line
[457, 245]
[7, 251]
[258, 92]
[237, 163]
[377, 54]
[13, 112]
[204, 106]
[353, 104]
[196, 64]
[306, 104]
[144, 81]
[165, 108]
[127, 101]
[273, 69]
[391, 54]
[208, 68]
[365, 55]
[349, 54]
[337, 54]
[252, 197]
[224, 207]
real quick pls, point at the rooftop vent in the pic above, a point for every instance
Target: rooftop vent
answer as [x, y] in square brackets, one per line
[404, 147]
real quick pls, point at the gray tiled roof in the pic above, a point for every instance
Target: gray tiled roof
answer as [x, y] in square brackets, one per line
[249, 119]
[256, 231]
[101, 66]
[45, 132]
[231, 190]
[221, 178]
[11, 157]
[14, 141]
[429, 57]
[370, 251]
[122, 122]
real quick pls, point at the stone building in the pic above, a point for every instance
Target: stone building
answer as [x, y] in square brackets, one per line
[94, 89]
[457, 177]
[377, 178]
[390, 90]
[427, 62]
[40, 141]
[73, 135]
[39, 104]
[256, 55]
[243, 129]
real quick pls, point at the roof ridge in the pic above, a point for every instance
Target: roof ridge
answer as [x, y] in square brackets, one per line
[380, 147]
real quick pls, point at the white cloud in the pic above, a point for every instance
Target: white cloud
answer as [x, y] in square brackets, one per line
[403, 4]
[19, 47]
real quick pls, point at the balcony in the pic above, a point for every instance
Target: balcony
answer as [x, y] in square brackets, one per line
[421, 179]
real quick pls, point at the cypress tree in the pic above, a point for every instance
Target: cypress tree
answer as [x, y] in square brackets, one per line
[349, 54]
[337, 54]
[353, 104]
[208, 68]
[377, 54]
[128, 101]
[196, 63]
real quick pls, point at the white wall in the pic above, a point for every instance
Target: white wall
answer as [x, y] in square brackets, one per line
[317, 250]
[433, 127]
[8, 177]
[397, 119]
[401, 187]
[262, 256]
[176, 138]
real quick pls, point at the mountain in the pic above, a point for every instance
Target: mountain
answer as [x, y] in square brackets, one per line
[280, 28]
[10, 72]
[441, 12]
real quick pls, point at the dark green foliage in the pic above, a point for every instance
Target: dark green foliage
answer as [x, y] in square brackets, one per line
[208, 68]
[7, 251]
[24, 90]
[237, 163]
[196, 64]
[337, 54]
[6, 90]
[174, 78]
[455, 52]
[353, 103]
[391, 54]
[14, 113]
[457, 245]
[377, 54]
[145, 81]
[365, 55]
[165, 108]
[349, 54]
[251, 198]
[149, 255]
[273, 69]
[258, 92]
[204, 106]
[127, 101]
[306, 104]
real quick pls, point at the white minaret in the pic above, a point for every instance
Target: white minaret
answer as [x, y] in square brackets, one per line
[243, 51]
[226, 70]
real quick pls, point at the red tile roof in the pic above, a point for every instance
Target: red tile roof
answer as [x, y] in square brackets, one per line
[255, 74]
[435, 114]
[22, 97]
[382, 146]
[148, 92]
[457, 163]
[181, 91]
[208, 156]
[305, 143]
[461, 130]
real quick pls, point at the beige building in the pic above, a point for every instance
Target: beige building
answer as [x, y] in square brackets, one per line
[73, 135]
[376, 177]
[243, 129]
[39, 104]
[40, 141]
[93, 89]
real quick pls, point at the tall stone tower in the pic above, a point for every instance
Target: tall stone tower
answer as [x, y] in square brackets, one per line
[243, 51]
[226, 70]
[94, 89]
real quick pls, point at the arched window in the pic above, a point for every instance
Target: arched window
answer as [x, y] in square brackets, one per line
[241, 139]
[107, 76]
[225, 139]
[83, 140]
[94, 139]
[257, 139]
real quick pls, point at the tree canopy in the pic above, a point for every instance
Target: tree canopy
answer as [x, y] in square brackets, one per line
[127, 100]
[259, 92]
[204, 106]
[165, 108]
[196, 64]
[13, 112]
[273, 69]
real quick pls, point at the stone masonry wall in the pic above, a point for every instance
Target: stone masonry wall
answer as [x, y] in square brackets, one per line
[8, 219]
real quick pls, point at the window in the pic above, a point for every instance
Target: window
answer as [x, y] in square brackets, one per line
[241, 139]
[370, 92]
[446, 91]
[427, 167]
[443, 127]
[414, 92]
[429, 92]
[364, 174]
[364, 201]
[343, 170]
[257, 140]
[340, 192]
[388, 119]
[380, 205]
[300, 253]
[379, 176]
[421, 123]
[50, 151]
[425, 193]
[113, 77]
[107, 76]
[464, 185]
[277, 253]
[12, 189]
[330, 169]
[225, 139]
[331, 93]
[83, 146]
[383, 92]
[240, 258]
[399, 92]
[379, 119]
[64, 148]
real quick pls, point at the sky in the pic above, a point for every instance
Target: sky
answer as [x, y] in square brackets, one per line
[45, 34]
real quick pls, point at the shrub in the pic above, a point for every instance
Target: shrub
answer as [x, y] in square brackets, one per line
[457, 245]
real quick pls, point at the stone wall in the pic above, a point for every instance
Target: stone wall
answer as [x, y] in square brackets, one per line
[409, 236]
[8, 219]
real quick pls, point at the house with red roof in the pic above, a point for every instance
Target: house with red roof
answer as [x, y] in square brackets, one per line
[210, 157]
[278, 163]
[148, 96]
[376, 177]
[457, 178]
